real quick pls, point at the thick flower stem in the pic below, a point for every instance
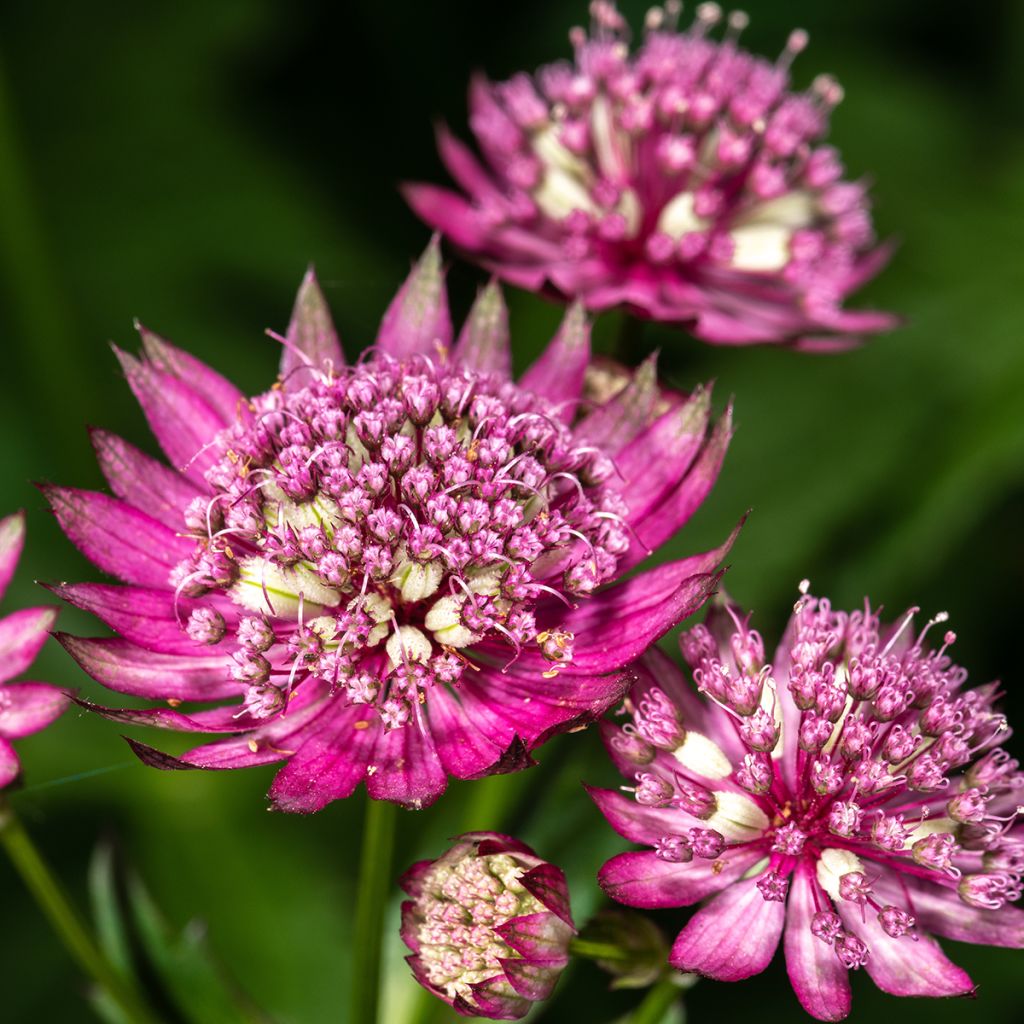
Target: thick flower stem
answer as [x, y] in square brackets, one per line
[659, 1000]
[374, 887]
[54, 903]
[597, 950]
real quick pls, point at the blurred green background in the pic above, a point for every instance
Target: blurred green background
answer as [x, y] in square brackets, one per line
[183, 162]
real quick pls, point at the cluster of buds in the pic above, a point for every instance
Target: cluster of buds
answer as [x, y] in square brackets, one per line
[488, 924]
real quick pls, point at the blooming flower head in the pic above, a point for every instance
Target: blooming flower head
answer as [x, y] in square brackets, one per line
[685, 181]
[25, 708]
[488, 925]
[394, 571]
[849, 798]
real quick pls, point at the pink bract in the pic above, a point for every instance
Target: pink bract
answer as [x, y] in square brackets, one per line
[685, 182]
[25, 707]
[392, 572]
[848, 800]
[489, 926]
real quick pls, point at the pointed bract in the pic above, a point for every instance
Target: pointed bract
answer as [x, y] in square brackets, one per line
[313, 345]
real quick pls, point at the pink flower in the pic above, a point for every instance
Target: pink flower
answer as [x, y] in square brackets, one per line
[390, 572]
[488, 925]
[683, 181]
[848, 799]
[25, 708]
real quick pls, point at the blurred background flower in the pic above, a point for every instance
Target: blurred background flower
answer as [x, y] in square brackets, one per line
[183, 163]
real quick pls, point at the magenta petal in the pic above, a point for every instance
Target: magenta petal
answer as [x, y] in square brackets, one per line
[142, 481]
[405, 767]
[903, 966]
[619, 624]
[492, 999]
[447, 212]
[734, 937]
[417, 320]
[941, 911]
[12, 540]
[411, 881]
[665, 517]
[466, 751]
[616, 423]
[464, 167]
[558, 373]
[183, 422]
[218, 392]
[820, 981]
[548, 884]
[330, 763]
[531, 981]
[312, 339]
[10, 766]
[211, 720]
[483, 343]
[141, 615]
[636, 822]
[22, 634]
[410, 926]
[119, 539]
[26, 708]
[542, 938]
[644, 880]
[126, 668]
[654, 462]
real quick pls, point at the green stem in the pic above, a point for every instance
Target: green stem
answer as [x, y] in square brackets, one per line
[54, 903]
[659, 1000]
[597, 950]
[371, 904]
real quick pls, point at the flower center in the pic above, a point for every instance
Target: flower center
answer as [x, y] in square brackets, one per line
[379, 523]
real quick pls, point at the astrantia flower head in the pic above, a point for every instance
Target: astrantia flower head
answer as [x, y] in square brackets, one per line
[25, 708]
[685, 181]
[850, 796]
[394, 571]
[488, 925]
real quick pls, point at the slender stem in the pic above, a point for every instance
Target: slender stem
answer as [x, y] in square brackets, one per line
[659, 1000]
[597, 950]
[371, 904]
[54, 903]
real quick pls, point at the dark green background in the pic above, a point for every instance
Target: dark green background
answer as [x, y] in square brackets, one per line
[183, 162]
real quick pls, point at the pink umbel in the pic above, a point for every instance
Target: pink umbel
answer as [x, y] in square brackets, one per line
[684, 181]
[489, 926]
[848, 799]
[25, 707]
[392, 572]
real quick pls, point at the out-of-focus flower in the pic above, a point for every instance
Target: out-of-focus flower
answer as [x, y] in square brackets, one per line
[848, 798]
[488, 924]
[685, 181]
[394, 571]
[25, 708]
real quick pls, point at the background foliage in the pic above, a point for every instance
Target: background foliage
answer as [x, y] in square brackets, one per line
[183, 162]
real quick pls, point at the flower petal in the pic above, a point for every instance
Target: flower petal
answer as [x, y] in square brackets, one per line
[542, 938]
[313, 343]
[22, 634]
[330, 763]
[618, 421]
[547, 883]
[532, 981]
[10, 766]
[124, 667]
[26, 708]
[149, 485]
[734, 937]
[941, 911]
[12, 540]
[217, 391]
[417, 320]
[903, 966]
[821, 982]
[643, 879]
[558, 373]
[116, 537]
[636, 822]
[466, 750]
[447, 212]
[182, 421]
[483, 343]
[405, 767]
